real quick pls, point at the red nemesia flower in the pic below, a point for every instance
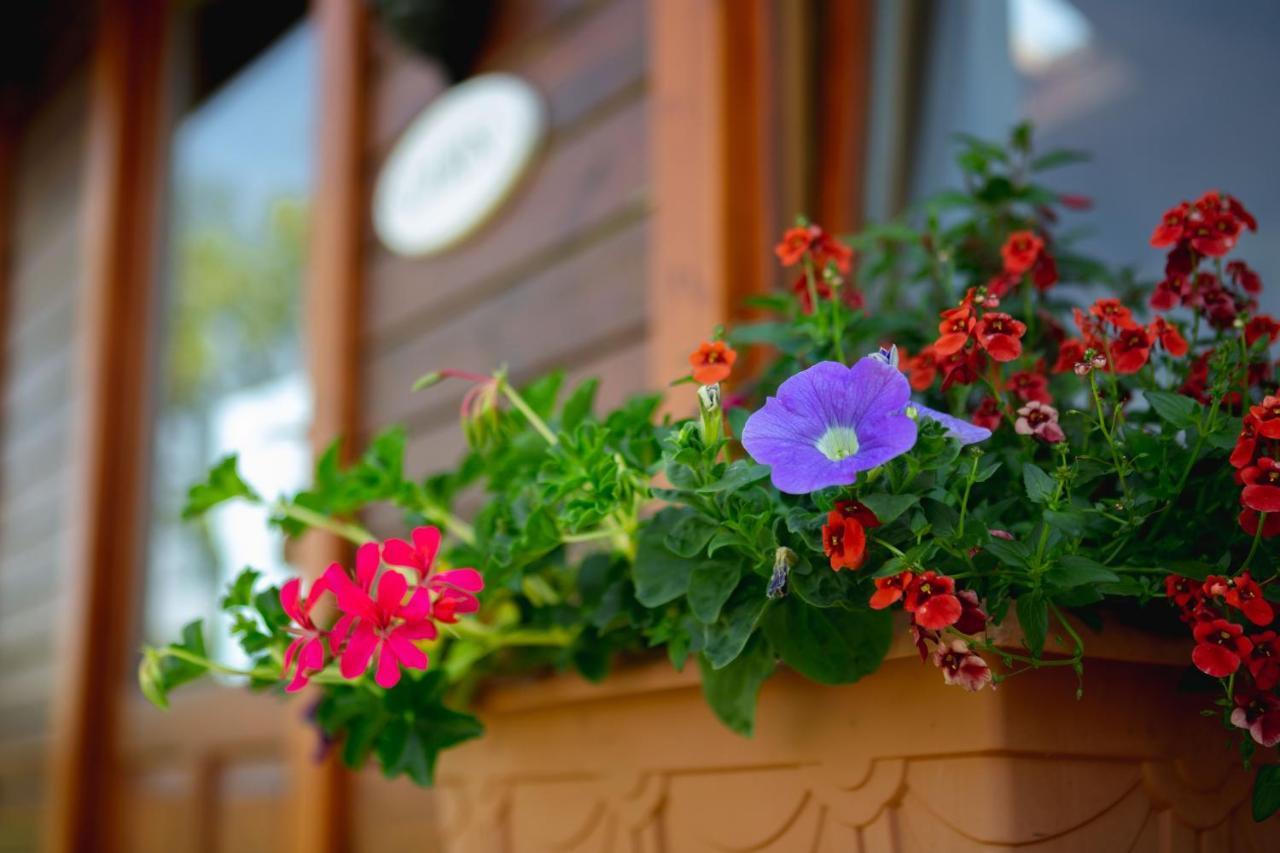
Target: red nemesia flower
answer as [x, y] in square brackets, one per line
[963, 367]
[961, 666]
[1020, 251]
[1262, 485]
[1260, 326]
[1220, 645]
[1044, 273]
[1070, 353]
[1248, 520]
[822, 246]
[1172, 226]
[1264, 660]
[1266, 416]
[954, 330]
[973, 619]
[795, 242]
[1246, 443]
[890, 590]
[1167, 335]
[1244, 277]
[1244, 594]
[1213, 236]
[844, 541]
[932, 600]
[1196, 385]
[1030, 384]
[858, 511]
[1113, 312]
[1167, 294]
[308, 647]
[1184, 592]
[1041, 421]
[712, 362]
[987, 415]
[453, 590]
[1259, 713]
[1000, 335]
[921, 369]
[1130, 350]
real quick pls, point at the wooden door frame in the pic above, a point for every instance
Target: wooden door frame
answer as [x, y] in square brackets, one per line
[124, 182]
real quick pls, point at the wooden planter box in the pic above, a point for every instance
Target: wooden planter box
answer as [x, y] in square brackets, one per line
[897, 762]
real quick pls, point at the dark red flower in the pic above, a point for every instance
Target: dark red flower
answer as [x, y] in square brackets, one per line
[1168, 294]
[1000, 335]
[973, 619]
[858, 511]
[1259, 326]
[1020, 251]
[1031, 384]
[844, 541]
[1244, 594]
[1264, 660]
[1259, 713]
[1113, 312]
[1172, 226]
[1044, 273]
[1262, 485]
[1244, 277]
[954, 330]
[962, 367]
[987, 415]
[931, 598]
[1220, 646]
[1167, 335]
[1247, 442]
[890, 590]
[1184, 592]
[1213, 235]
[1267, 416]
[1248, 520]
[1130, 350]
[1070, 353]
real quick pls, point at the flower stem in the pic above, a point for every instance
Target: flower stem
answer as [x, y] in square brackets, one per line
[1106, 434]
[1205, 429]
[539, 425]
[450, 522]
[1257, 540]
[964, 502]
[351, 532]
[259, 673]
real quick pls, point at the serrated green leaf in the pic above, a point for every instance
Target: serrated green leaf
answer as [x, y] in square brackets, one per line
[578, 407]
[739, 474]
[1033, 616]
[222, 484]
[731, 690]
[1176, 409]
[1039, 485]
[660, 575]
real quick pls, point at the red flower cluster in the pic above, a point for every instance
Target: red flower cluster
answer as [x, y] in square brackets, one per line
[1226, 646]
[844, 536]
[380, 616]
[823, 250]
[1024, 253]
[965, 339]
[1254, 458]
[1118, 340]
[935, 605]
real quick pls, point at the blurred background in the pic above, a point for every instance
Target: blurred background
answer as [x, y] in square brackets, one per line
[189, 265]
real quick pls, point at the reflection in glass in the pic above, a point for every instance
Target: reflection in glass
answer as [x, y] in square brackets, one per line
[231, 371]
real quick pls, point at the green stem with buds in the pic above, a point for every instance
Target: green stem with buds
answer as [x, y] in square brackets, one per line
[539, 425]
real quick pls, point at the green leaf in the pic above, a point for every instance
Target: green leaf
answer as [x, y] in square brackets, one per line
[710, 586]
[240, 591]
[731, 690]
[888, 507]
[740, 473]
[1033, 616]
[1266, 792]
[660, 576]
[1177, 409]
[578, 407]
[1075, 570]
[222, 484]
[1070, 522]
[1013, 554]
[690, 535]
[726, 636]
[1039, 485]
[1055, 159]
[829, 645]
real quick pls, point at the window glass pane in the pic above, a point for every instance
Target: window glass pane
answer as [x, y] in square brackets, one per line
[1172, 97]
[231, 369]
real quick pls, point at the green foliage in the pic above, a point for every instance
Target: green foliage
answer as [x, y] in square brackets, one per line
[223, 484]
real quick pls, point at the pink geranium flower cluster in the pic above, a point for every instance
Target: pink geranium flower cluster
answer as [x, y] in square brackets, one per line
[381, 616]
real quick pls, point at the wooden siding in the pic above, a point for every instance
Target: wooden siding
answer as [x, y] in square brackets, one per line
[37, 407]
[556, 280]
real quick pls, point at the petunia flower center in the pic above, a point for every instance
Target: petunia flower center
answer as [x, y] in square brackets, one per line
[838, 442]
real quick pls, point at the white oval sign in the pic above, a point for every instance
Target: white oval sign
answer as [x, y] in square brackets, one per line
[457, 163]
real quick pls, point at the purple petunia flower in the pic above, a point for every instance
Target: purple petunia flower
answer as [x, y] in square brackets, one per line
[830, 421]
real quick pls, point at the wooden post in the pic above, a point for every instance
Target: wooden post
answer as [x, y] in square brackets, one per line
[320, 814]
[123, 175]
[845, 99]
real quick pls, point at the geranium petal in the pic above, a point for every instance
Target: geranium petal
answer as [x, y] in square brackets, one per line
[410, 655]
[289, 599]
[391, 589]
[418, 607]
[398, 552]
[422, 630]
[468, 579]
[360, 648]
[367, 560]
[426, 541]
[388, 674]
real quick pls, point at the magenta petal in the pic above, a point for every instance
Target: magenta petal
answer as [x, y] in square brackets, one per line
[360, 648]
[388, 674]
[418, 607]
[427, 542]
[312, 657]
[410, 655]
[391, 590]
[289, 654]
[398, 552]
[367, 560]
[424, 630]
[289, 599]
[468, 579]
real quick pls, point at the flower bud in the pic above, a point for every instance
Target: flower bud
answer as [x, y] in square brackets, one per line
[1099, 361]
[1082, 368]
[711, 413]
[783, 560]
